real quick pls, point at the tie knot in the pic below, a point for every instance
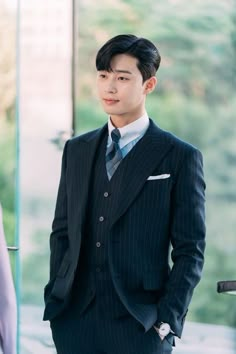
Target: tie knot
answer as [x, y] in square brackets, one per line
[115, 135]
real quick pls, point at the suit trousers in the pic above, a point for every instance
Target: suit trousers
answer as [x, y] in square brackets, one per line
[95, 332]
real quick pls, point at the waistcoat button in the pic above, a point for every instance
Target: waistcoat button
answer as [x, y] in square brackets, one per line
[101, 218]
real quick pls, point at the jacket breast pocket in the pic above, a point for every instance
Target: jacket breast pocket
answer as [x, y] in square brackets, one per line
[158, 192]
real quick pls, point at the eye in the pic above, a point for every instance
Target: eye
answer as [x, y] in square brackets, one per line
[102, 76]
[122, 78]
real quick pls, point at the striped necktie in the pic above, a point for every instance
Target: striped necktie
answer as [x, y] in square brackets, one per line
[114, 154]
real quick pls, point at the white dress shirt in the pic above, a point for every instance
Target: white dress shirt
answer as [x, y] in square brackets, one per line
[130, 132]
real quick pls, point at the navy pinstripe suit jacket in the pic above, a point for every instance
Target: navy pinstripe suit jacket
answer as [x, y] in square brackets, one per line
[150, 217]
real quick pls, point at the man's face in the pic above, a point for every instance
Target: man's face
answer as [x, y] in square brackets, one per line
[122, 91]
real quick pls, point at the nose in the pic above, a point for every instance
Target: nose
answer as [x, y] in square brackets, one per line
[111, 86]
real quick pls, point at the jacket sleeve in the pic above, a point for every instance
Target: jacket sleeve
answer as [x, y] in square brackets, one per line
[59, 235]
[187, 233]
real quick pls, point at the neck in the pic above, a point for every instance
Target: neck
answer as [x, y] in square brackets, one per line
[121, 121]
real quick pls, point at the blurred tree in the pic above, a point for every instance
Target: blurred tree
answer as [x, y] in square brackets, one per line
[7, 61]
[233, 41]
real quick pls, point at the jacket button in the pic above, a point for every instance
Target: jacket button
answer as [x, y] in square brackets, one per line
[106, 194]
[98, 244]
[101, 218]
[98, 269]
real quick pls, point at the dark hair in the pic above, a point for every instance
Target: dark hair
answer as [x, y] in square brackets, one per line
[142, 49]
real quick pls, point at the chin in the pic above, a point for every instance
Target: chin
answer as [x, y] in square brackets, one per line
[110, 112]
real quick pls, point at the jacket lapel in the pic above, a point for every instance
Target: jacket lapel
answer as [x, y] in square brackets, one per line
[146, 156]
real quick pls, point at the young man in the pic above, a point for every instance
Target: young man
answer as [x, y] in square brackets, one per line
[128, 191]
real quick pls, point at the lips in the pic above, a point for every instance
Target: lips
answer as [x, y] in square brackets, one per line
[110, 101]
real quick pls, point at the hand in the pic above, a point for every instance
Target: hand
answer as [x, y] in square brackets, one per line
[157, 330]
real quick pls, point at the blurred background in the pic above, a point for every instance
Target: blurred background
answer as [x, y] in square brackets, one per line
[47, 94]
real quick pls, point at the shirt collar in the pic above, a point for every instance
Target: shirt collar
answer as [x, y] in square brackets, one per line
[130, 131]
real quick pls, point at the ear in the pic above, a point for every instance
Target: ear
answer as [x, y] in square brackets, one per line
[150, 85]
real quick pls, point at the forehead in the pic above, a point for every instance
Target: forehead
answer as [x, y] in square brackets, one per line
[124, 62]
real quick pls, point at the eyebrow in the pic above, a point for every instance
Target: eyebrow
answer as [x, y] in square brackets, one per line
[123, 71]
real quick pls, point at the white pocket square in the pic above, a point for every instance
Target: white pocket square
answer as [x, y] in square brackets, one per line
[164, 176]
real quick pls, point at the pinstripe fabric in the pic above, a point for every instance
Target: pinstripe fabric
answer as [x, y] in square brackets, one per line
[113, 329]
[92, 333]
[146, 217]
[93, 270]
